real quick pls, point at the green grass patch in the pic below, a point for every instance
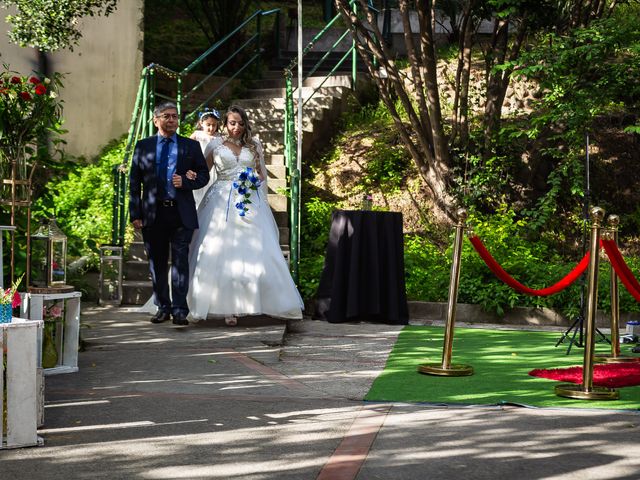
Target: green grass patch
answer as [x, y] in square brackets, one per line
[501, 360]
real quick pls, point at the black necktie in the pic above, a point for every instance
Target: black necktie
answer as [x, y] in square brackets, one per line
[162, 168]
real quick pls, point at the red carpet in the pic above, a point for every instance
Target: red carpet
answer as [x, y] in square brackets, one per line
[611, 375]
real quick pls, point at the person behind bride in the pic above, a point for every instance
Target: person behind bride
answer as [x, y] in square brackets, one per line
[161, 205]
[206, 130]
[236, 266]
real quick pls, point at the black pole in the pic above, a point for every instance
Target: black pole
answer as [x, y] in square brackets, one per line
[578, 323]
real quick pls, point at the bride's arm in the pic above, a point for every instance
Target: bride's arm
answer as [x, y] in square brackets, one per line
[209, 152]
[261, 167]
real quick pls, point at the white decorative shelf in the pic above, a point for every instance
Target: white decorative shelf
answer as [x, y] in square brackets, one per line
[67, 332]
[21, 350]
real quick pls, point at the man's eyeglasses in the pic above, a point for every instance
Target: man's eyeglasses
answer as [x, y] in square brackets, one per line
[168, 116]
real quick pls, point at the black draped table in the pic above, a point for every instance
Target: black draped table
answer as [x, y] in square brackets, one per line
[363, 275]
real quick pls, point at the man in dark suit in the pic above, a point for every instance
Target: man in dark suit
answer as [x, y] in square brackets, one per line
[161, 204]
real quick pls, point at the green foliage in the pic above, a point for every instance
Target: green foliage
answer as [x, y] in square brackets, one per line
[388, 161]
[593, 71]
[81, 201]
[533, 263]
[310, 272]
[50, 25]
[386, 166]
[426, 270]
[316, 223]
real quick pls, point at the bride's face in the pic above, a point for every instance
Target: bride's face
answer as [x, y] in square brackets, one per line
[235, 125]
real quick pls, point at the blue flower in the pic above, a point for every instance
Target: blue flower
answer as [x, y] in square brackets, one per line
[246, 182]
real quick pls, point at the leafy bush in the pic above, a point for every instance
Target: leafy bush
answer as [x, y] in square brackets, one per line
[316, 223]
[82, 201]
[533, 263]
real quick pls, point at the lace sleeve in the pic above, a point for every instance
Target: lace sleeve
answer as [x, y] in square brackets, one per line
[260, 165]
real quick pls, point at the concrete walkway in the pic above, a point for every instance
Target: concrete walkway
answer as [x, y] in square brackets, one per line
[251, 402]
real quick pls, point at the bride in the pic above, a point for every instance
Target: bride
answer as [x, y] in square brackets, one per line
[236, 265]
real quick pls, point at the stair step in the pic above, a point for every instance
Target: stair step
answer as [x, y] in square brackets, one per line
[137, 270]
[275, 185]
[284, 236]
[261, 117]
[282, 217]
[278, 202]
[276, 171]
[136, 292]
[278, 81]
[273, 140]
[136, 251]
[274, 159]
[271, 104]
[270, 93]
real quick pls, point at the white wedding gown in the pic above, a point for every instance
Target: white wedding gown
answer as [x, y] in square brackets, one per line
[203, 139]
[236, 265]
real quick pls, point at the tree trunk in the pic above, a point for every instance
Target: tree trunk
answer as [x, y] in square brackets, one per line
[424, 137]
[460, 133]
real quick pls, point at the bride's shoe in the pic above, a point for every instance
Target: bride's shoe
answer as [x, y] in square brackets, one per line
[231, 321]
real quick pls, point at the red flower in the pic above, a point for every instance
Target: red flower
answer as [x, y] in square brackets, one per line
[40, 89]
[15, 302]
[15, 80]
[34, 80]
[25, 95]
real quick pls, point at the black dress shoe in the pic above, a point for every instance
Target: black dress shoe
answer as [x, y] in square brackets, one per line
[160, 317]
[180, 319]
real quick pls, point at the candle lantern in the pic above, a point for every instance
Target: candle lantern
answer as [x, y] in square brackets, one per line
[110, 275]
[48, 256]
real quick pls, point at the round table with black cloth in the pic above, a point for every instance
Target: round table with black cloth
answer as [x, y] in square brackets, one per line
[363, 275]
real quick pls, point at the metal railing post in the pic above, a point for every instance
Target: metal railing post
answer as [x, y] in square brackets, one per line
[586, 390]
[611, 233]
[445, 368]
[179, 100]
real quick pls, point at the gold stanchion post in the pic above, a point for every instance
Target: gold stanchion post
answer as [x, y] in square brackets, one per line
[612, 234]
[446, 368]
[586, 390]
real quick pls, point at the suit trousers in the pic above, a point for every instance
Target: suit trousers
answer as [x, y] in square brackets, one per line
[169, 235]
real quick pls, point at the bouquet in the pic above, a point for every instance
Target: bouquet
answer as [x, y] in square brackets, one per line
[10, 296]
[246, 183]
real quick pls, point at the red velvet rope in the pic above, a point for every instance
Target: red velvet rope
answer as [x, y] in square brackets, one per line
[513, 283]
[622, 269]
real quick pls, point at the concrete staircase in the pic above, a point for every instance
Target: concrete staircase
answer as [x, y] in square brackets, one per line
[265, 106]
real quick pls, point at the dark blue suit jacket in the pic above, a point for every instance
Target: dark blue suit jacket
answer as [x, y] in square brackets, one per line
[143, 181]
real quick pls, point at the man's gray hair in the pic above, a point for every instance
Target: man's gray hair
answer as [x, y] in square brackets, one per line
[162, 107]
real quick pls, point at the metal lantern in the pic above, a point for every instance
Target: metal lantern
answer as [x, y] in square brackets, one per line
[48, 256]
[110, 275]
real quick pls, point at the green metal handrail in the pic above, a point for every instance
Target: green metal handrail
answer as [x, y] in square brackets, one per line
[290, 140]
[141, 124]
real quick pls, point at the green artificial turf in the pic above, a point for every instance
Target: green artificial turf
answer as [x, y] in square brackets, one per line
[501, 360]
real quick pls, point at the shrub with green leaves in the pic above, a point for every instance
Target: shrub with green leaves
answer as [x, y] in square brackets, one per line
[82, 201]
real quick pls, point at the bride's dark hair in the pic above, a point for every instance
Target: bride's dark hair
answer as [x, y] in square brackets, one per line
[246, 137]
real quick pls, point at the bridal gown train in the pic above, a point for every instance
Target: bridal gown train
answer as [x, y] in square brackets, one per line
[235, 262]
